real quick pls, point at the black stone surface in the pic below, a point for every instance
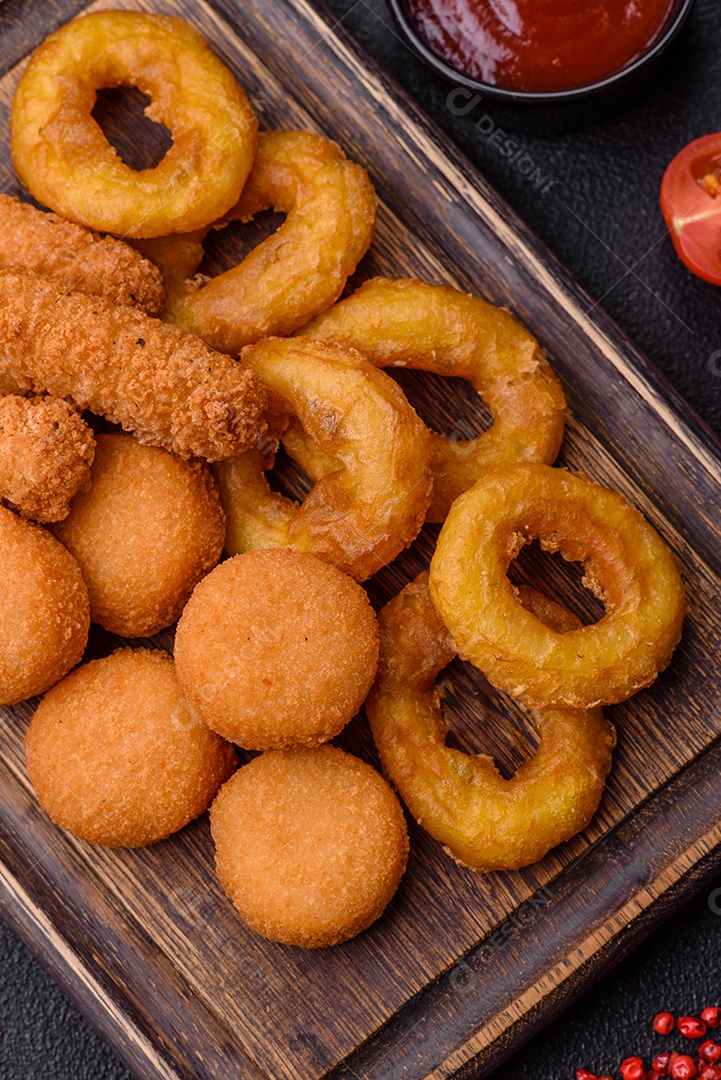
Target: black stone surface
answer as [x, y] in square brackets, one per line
[597, 208]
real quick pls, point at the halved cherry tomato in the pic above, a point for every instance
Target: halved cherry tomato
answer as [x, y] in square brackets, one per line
[691, 205]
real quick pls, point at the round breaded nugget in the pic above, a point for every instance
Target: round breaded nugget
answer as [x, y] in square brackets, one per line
[117, 755]
[277, 649]
[44, 610]
[310, 845]
[145, 533]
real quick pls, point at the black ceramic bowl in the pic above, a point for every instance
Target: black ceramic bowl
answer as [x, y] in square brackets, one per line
[641, 66]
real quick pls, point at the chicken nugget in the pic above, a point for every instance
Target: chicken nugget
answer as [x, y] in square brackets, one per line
[118, 757]
[277, 649]
[310, 845]
[44, 610]
[77, 257]
[164, 385]
[145, 533]
[46, 450]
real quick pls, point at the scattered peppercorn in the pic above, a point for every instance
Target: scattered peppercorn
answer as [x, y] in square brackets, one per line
[660, 1063]
[690, 1027]
[675, 1065]
[663, 1023]
[633, 1069]
[681, 1067]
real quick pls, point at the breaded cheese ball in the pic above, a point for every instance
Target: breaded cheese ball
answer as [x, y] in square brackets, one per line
[310, 845]
[277, 649]
[150, 527]
[44, 610]
[118, 757]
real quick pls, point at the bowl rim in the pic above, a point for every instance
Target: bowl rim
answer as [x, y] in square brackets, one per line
[674, 22]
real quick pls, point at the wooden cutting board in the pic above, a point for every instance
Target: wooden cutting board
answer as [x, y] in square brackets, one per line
[462, 967]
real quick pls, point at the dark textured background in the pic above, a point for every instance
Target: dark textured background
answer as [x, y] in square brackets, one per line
[599, 213]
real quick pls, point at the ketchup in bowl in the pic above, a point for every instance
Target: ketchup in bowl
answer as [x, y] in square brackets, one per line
[538, 45]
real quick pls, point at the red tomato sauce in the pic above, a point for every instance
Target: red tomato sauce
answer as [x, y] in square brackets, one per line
[538, 44]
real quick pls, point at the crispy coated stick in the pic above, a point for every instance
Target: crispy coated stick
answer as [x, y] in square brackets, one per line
[46, 450]
[77, 257]
[164, 385]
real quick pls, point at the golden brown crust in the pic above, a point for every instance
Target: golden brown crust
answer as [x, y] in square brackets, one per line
[277, 649]
[8, 385]
[46, 450]
[64, 159]
[310, 845]
[409, 323]
[76, 257]
[144, 534]
[297, 272]
[118, 757]
[372, 505]
[484, 821]
[44, 610]
[165, 386]
[626, 563]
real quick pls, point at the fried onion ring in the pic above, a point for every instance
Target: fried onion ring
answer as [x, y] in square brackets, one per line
[484, 821]
[63, 158]
[409, 323]
[297, 272]
[627, 566]
[363, 513]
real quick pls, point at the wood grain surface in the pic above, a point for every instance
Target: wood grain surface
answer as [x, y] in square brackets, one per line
[461, 967]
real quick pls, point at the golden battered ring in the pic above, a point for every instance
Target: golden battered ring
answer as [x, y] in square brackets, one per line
[484, 821]
[372, 501]
[300, 269]
[627, 565]
[409, 323]
[64, 160]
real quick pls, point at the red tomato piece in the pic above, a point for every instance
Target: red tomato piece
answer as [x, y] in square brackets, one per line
[691, 205]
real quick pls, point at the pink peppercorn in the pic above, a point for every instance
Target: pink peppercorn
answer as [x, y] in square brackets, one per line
[681, 1067]
[709, 1052]
[633, 1069]
[711, 1016]
[584, 1074]
[663, 1023]
[660, 1063]
[710, 1072]
[691, 1028]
